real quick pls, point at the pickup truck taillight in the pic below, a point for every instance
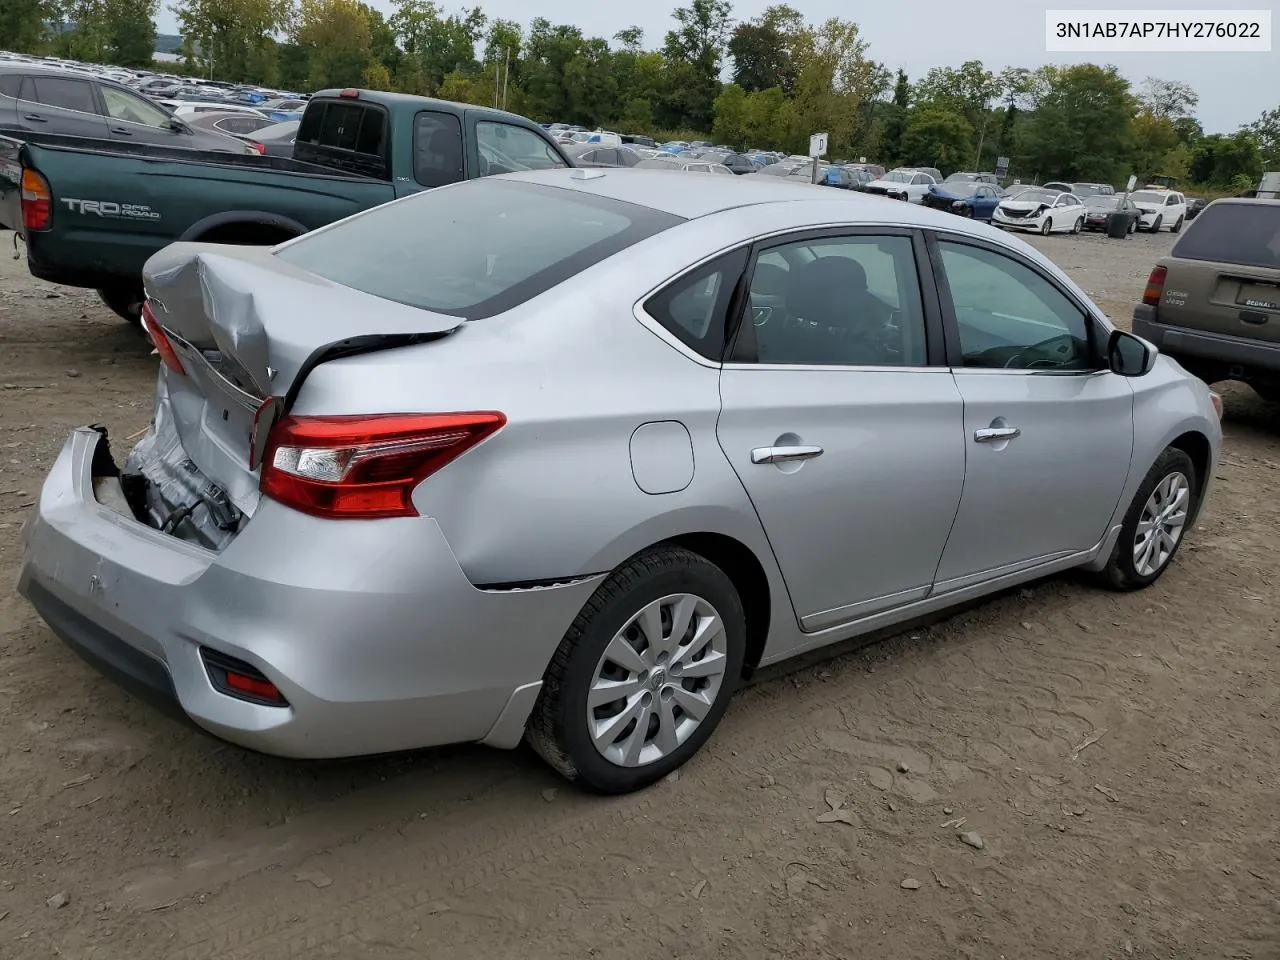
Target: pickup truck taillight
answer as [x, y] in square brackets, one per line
[37, 201]
[365, 467]
[1155, 287]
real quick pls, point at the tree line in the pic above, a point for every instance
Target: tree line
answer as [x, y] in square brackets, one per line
[786, 78]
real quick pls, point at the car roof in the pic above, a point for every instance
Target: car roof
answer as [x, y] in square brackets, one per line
[40, 70]
[690, 197]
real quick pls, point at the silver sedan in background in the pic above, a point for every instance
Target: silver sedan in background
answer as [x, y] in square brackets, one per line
[442, 472]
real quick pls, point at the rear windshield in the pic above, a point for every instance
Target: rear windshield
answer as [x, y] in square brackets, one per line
[474, 249]
[1244, 233]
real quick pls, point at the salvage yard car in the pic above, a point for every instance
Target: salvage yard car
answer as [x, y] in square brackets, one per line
[1160, 209]
[407, 485]
[91, 212]
[1041, 210]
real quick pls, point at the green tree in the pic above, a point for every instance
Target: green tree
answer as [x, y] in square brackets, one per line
[337, 37]
[895, 120]
[938, 137]
[435, 45]
[1168, 99]
[1266, 130]
[695, 51]
[763, 49]
[1224, 160]
[1082, 125]
[24, 24]
[730, 124]
[835, 78]
[231, 37]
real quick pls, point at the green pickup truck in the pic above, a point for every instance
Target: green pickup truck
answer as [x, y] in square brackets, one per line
[93, 211]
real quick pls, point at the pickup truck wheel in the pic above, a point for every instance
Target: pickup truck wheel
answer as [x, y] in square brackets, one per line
[124, 302]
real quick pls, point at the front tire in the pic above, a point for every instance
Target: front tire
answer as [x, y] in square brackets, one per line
[1155, 227]
[643, 675]
[1079, 225]
[1177, 226]
[1154, 526]
[1046, 228]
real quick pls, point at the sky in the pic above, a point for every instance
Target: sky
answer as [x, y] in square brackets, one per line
[1234, 88]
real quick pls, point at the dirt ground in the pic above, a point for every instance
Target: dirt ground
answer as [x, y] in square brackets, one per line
[1118, 754]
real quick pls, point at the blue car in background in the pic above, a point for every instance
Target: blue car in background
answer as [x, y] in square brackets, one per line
[968, 198]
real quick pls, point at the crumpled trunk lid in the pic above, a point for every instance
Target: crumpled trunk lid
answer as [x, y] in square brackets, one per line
[247, 328]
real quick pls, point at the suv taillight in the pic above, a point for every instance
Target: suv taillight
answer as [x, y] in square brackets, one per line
[1155, 287]
[365, 467]
[36, 201]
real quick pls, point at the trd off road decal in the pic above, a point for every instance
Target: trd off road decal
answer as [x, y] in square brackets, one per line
[110, 209]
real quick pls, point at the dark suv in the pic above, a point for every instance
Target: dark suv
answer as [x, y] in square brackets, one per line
[1213, 304]
[35, 100]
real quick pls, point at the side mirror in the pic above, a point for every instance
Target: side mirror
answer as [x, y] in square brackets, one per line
[1129, 356]
[177, 126]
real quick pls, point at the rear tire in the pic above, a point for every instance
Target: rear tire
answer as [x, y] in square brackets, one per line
[124, 301]
[570, 724]
[1147, 543]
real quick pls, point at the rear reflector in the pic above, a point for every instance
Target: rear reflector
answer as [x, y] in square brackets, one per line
[243, 681]
[365, 467]
[161, 341]
[36, 201]
[1155, 287]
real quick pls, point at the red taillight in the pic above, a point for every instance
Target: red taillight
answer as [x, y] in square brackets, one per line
[365, 467]
[349, 92]
[161, 341]
[36, 201]
[261, 148]
[1155, 287]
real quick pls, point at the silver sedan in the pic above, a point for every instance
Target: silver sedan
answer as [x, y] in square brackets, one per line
[561, 456]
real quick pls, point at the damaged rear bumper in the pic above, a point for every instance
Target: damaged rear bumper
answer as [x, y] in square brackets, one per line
[369, 629]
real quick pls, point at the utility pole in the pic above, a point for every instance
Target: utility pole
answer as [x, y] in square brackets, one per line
[506, 76]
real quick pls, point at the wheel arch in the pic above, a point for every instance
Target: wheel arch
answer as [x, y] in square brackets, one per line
[237, 226]
[1196, 446]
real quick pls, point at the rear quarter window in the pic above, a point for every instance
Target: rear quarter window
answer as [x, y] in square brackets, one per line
[1242, 233]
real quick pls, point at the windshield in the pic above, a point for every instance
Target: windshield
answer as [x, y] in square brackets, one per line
[1102, 203]
[961, 188]
[474, 249]
[1147, 196]
[961, 178]
[899, 176]
[1086, 190]
[1037, 196]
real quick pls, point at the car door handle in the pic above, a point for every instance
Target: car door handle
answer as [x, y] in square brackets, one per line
[784, 454]
[996, 434]
[125, 131]
[35, 118]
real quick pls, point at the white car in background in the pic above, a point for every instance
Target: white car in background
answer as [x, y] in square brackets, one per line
[1160, 209]
[902, 184]
[1041, 210]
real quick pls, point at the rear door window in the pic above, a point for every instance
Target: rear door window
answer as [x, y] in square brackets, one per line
[65, 93]
[9, 84]
[437, 148]
[1242, 233]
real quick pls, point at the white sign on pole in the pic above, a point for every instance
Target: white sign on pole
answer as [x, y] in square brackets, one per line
[818, 145]
[1133, 182]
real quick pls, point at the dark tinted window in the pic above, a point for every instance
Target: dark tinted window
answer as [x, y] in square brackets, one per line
[1243, 233]
[841, 301]
[68, 94]
[9, 84]
[694, 308]
[474, 249]
[437, 148]
[345, 135]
